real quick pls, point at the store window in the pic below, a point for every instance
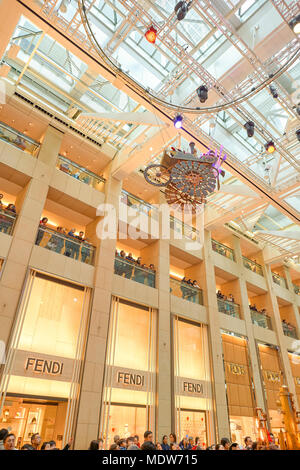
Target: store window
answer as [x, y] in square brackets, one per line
[40, 383]
[129, 382]
[192, 382]
[295, 366]
[239, 388]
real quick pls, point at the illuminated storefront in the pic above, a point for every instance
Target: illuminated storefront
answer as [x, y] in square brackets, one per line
[40, 382]
[192, 381]
[295, 366]
[239, 388]
[272, 379]
[129, 382]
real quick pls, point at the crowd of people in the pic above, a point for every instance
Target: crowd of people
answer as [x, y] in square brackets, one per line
[133, 268]
[226, 303]
[189, 289]
[64, 241]
[7, 216]
[8, 442]
[289, 329]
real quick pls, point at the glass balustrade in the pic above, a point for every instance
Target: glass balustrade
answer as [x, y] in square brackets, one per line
[279, 280]
[138, 204]
[253, 266]
[19, 140]
[183, 229]
[289, 330]
[185, 291]
[223, 250]
[296, 289]
[133, 271]
[80, 173]
[65, 245]
[229, 308]
[7, 221]
[261, 319]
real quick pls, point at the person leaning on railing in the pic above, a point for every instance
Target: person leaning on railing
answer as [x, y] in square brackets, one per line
[42, 227]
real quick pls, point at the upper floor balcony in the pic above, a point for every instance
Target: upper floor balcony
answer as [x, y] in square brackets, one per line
[131, 269]
[187, 231]
[7, 221]
[279, 280]
[18, 140]
[186, 291]
[65, 244]
[228, 307]
[253, 266]
[223, 250]
[296, 289]
[260, 318]
[289, 330]
[80, 173]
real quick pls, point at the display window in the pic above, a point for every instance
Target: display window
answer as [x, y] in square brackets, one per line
[45, 356]
[272, 379]
[192, 382]
[295, 367]
[129, 381]
[239, 388]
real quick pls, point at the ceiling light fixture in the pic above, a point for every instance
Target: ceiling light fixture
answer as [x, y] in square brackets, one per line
[202, 93]
[273, 91]
[178, 121]
[249, 126]
[270, 147]
[295, 24]
[151, 35]
[181, 9]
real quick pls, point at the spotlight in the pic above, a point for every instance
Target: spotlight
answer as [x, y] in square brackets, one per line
[270, 147]
[151, 35]
[295, 24]
[298, 134]
[178, 121]
[181, 9]
[273, 91]
[249, 126]
[202, 93]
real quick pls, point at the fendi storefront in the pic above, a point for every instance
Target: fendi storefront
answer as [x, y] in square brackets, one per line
[239, 387]
[272, 379]
[193, 402]
[130, 375]
[40, 382]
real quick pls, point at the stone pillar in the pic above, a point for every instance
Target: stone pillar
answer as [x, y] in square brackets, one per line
[210, 301]
[246, 315]
[90, 401]
[280, 335]
[30, 204]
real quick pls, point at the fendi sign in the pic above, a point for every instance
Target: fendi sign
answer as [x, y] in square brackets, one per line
[128, 378]
[236, 369]
[44, 366]
[192, 388]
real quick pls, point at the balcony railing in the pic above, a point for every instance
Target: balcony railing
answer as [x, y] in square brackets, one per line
[7, 221]
[65, 245]
[279, 280]
[229, 308]
[296, 289]
[133, 201]
[80, 173]
[261, 319]
[185, 230]
[19, 140]
[289, 330]
[253, 266]
[185, 291]
[133, 271]
[223, 250]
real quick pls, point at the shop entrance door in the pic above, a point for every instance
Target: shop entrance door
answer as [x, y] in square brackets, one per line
[193, 424]
[125, 421]
[26, 417]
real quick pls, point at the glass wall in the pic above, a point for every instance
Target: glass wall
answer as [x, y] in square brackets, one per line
[192, 382]
[45, 358]
[129, 382]
[239, 388]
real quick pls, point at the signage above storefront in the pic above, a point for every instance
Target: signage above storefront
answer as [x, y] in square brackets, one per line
[44, 366]
[236, 369]
[272, 376]
[129, 379]
[192, 388]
